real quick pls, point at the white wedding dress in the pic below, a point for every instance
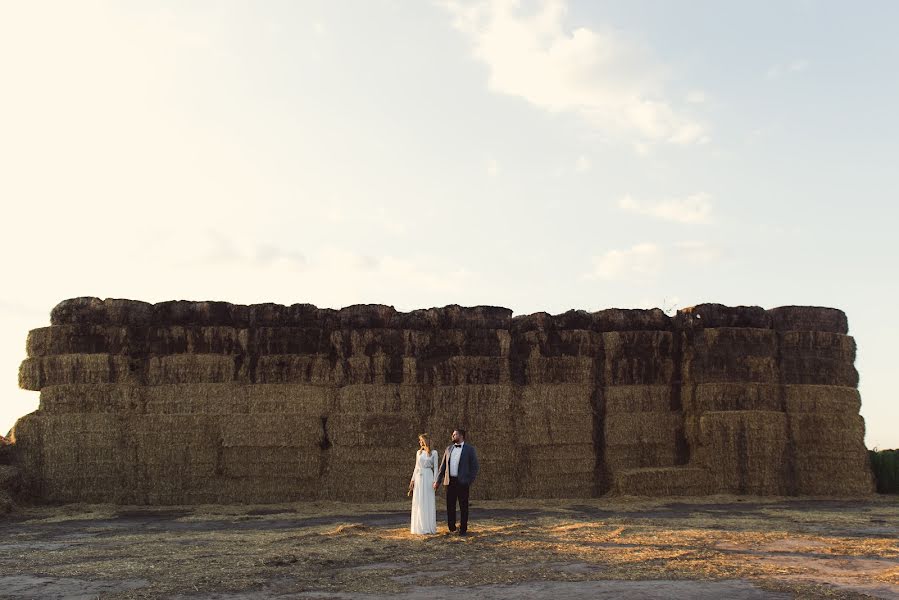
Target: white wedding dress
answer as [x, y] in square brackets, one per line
[424, 507]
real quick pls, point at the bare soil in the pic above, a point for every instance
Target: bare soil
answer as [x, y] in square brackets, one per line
[722, 547]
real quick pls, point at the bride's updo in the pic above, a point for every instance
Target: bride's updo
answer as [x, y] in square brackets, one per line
[426, 438]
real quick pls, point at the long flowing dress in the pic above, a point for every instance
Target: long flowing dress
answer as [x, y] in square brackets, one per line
[424, 506]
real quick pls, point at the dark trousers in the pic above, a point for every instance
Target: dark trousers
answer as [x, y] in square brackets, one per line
[455, 491]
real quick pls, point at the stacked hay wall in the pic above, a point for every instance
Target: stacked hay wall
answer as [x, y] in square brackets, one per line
[209, 402]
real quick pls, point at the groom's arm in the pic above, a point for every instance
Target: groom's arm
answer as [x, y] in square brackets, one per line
[441, 472]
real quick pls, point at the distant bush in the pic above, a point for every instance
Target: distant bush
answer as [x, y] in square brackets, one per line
[885, 465]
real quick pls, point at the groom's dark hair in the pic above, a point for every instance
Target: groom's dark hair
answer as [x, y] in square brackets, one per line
[461, 432]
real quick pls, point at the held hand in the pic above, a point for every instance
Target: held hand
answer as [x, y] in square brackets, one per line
[435, 486]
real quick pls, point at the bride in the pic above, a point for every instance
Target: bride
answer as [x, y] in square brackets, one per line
[424, 508]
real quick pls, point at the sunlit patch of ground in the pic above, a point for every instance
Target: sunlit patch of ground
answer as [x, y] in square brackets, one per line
[779, 547]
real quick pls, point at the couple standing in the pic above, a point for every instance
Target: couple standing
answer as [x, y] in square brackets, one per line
[456, 470]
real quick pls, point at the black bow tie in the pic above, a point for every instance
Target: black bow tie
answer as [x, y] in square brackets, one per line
[457, 445]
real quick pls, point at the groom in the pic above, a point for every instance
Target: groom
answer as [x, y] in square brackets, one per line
[458, 469]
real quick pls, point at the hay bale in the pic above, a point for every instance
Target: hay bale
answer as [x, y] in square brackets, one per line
[815, 429]
[628, 319]
[94, 311]
[314, 369]
[539, 321]
[637, 398]
[178, 339]
[367, 316]
[821, 399]
[373, 370]
[463, 370]
[96, 398]
[644, 439]
[288, 340]
[717, 315]
[193, 368]
[282, 430]
[381, 474]
[391, 398]
[714, 397]
[744, 451]
[454, 316]
[82, 339]
[731, 355]
[575, 370]
[818, 344]
[663, 481]
[38, 372]
[553, 414]
[366, 430]
[270, 462]
[809, 318]
[638, 357]
[186, 312]
[643, 428]
[814, 357]
[485, 411]
[820, 371]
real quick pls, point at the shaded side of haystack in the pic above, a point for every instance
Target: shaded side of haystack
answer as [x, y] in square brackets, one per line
[730, 355]
[113, 311]
[462, 370]
[631, 319]
[27, 435]
[809, 318]
[718, 315]
[745, 452]
[638, 357]
[663, 481]
[827, 438]
[815, 357]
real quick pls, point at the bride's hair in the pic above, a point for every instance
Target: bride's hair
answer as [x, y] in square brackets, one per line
[427, 440]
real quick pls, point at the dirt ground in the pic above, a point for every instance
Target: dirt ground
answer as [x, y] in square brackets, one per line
[720, 547]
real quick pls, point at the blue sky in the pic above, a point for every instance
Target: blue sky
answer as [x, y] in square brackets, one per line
[533, 155]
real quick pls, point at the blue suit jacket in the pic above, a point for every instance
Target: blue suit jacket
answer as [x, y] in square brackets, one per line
[468, 465]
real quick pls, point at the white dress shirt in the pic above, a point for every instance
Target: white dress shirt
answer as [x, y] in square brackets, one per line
[454, 460]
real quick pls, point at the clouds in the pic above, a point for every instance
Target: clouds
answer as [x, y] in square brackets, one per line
[789, 68]
[643, 262]
[693, 209]
[610, 80]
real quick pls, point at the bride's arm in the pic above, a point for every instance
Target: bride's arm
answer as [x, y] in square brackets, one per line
[415, 470]
[435, 463]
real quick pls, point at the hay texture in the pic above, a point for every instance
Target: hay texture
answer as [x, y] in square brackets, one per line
[193, 402]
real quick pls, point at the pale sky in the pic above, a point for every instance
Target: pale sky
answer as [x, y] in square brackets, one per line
[533, 155]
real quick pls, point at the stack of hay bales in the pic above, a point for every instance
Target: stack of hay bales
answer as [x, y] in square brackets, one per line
[645, 445]
[199, 402]
[822, 402]
[554, 362]
[770, 399]
[731, 376]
